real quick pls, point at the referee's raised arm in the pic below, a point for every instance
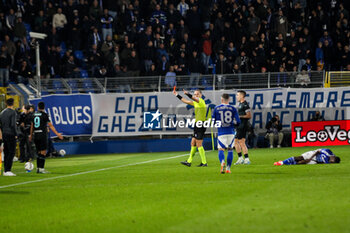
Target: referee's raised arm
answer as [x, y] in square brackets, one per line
[182, 98]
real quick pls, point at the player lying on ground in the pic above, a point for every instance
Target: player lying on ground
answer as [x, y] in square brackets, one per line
[228, 116]
[200, 111]
[311, 157]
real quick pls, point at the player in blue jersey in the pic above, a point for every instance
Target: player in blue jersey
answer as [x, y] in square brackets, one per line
[229, 118]
[311, 157]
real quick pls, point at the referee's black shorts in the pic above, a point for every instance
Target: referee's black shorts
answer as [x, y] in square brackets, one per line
[40, 141]
[198, 132]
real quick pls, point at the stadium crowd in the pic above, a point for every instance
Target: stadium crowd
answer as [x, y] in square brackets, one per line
[109, 38]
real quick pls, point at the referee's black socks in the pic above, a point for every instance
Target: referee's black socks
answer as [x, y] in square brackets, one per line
[245, 155]
[239, 154]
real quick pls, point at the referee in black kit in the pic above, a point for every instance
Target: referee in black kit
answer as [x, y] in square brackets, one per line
[8, 127]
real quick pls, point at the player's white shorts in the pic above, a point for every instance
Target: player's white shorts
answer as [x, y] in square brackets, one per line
[308, 155]
[226, 141]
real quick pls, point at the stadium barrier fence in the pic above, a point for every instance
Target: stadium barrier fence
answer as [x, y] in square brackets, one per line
[312, 79]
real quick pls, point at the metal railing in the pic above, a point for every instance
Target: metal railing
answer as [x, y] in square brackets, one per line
[313, 79]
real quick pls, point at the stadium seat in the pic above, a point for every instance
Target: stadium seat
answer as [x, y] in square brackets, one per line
[58, 86]
[84, 73]
[63, 49]
[44, 92]
[27, 26]
[79, 54]
[63, 46]
[88, 85]
[74, 85]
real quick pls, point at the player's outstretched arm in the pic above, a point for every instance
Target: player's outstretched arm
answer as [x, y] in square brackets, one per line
[182, 99]
[191, 96]
[55, 131]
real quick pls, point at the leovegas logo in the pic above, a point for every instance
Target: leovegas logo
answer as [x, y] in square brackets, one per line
[320, 133]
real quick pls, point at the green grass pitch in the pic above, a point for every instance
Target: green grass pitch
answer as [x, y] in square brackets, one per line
[165, 196]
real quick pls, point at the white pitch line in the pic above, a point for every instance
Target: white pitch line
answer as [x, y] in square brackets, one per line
[87, 172]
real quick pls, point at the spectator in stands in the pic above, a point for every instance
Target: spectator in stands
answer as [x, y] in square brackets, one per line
[71, 69]
[243, 62]
[19, 30]
[122, 84]
[319, 53]
[152, 71]
[307, 66]
[159, 15]
[220, 46]
[59, 22]
[74, 34]
[194, 65]
[170, 77]
[133, 64]
[44, 70]
[281, 23]
[101, 73]
[345, 56]
[95, 11]
[5, 62]
[267, 24]
[317, 117]
[11, 48]
[328, 55]
[231, 53]
[148, 55]
[10, 19]
[254, 23]
[182, 29]
[107, 22]
[206, 50]
[114, 57]
[107, 46]
[24, 73]
[173, 49]
[161, 51]
[126, 52]
[193, 20]
[39, 21]
[129, 16]
[172, 14]
[303, 79]
[95, 38]
[163, 65]
[183, 7]
[325, 38]
[222, 68]
[282, 77]
[157, 40]
[53, 61]
[274, 132]
[182, 64]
